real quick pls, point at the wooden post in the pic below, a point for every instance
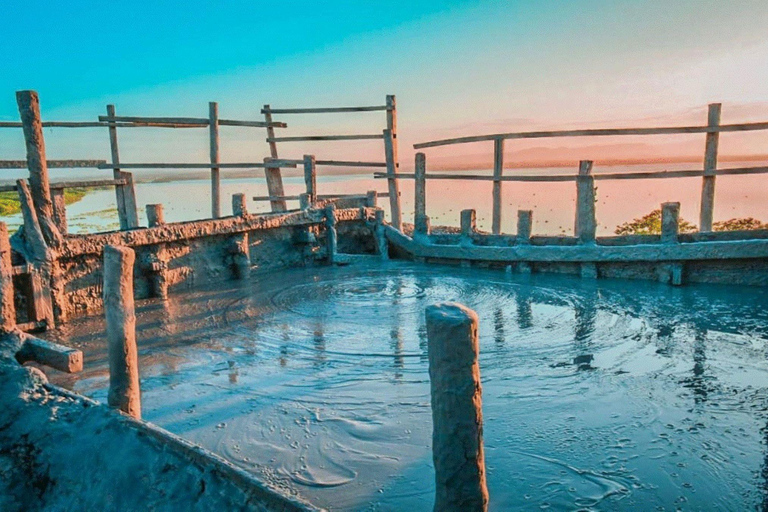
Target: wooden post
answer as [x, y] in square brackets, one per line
[468, 226]
[710, 168]
[390, 152]
[32, 124]
[524, 226]
[274, 176]
[310, 177]
[213, 124]
[275, 186]
[127, 210]
[498, 171]
[382, 245]
[59, 210]
[586, 223]
[457, 415]
[155, 215]
[239, 206]
[331, 235]
[305, 201]
[7, 305]
[124, 391]
[371, 199]
[670, 218]
[420, 219]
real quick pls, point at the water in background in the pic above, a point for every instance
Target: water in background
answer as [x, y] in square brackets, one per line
[597, 395]
[553, 204]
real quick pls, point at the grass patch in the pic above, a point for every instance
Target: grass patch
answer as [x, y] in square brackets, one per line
[9, 201]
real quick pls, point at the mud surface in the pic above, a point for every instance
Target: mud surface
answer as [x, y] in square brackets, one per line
[604, 395]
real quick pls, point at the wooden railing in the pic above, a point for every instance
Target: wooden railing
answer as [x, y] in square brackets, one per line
[389, 135]
[585, 178]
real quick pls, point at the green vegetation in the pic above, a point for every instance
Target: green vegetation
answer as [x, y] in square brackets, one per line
[651, 225]
[9, 201]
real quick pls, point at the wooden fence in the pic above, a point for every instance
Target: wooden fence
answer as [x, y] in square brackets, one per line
[48, 198]
[585, 179]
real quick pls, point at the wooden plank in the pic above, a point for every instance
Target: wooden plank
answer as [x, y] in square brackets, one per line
[86, 184]
[498, 171]
[585, 223]
[213, 123]
[595, 132]
[420, 192]
[125, 195]
[320, 196]
[476, 177]
[7, 303]
[60, 357]
[188, 165]
[26, 268]
[54, 164]
[29, 111]
[191, 121]
[340, 163]
[310, 138]
[253, 124]
[390, 153]
[321, 110]
[275, 187]
[710, 165]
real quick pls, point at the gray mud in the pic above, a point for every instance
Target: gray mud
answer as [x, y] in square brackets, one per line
[602, 395]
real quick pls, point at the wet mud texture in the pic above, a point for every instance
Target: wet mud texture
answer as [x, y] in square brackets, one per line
[597, 395]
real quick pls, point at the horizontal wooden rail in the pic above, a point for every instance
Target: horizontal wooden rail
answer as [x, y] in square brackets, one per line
[309, 138]
[598, 132]
[342, 163]
[184, 122]
[56, 124]
[323, 110]
[573, 177]
[53, 164]
[321, 196]
[182, 165]
[73, 184]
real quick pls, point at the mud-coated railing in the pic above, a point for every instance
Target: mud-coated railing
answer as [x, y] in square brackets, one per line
[584, 178]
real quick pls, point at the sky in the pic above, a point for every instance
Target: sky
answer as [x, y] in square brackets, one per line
[457, 68]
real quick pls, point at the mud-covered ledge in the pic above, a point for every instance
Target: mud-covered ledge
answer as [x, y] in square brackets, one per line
[76, 245]
[62, 451]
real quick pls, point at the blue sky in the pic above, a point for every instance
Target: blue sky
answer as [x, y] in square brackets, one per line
[457, 67]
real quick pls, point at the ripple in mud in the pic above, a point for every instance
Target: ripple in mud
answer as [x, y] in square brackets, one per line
[597, 394]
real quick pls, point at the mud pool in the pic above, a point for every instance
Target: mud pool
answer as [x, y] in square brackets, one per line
[604, 395]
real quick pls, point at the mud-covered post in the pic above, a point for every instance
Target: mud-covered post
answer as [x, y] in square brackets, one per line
[468, 226]
[710, 168]
[457, 416]
[498, 171]
[213, 125]
[239, 206]
[331, 235]
[155, 215]
[7, 306]
[420, 219]
[59, 210]
[310, 177]
[32, 124]
[524, 226]
[586, 223]
[382, 245]
[124, 391]
[127, 211]
[670, 218]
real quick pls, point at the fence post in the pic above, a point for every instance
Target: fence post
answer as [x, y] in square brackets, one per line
[32, 124]
[586, 223]
[498, 171]
[371, 199]
[7, 305]
[59, 210]
[155, 215]
[524, 226]
[670, 218]
[457, 415]
[710, 168]
[273, 174]
[468, 226]
[332, 237]
[390, 152]
[124, 391]
[310, 177]
[127, 210]
[420, 219]
[382, 244]
[213, 124]
[239, 206]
